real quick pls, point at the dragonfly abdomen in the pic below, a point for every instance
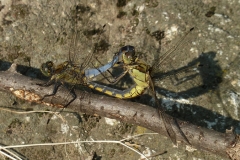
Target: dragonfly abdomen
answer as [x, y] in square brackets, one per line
[141, 78]
[132, 92]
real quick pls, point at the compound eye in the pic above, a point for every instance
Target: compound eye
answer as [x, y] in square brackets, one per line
[131, 49]
[49, 64]
[47, 68]
[129, 55]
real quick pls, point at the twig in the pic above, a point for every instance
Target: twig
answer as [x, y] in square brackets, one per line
[135, 113]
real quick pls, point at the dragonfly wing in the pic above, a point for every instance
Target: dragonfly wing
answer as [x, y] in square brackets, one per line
[175, 54]
[84, 35]
[165, 118]
[163, 115]
[178, 65]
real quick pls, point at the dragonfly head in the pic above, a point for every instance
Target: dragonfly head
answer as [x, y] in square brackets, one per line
[47, 68]
[128, 56]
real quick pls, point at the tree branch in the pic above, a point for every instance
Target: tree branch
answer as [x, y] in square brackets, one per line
[224, 144]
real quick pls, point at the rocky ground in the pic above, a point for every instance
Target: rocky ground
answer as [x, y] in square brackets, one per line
[33, 32]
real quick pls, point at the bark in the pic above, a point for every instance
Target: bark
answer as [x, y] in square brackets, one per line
[224, 144]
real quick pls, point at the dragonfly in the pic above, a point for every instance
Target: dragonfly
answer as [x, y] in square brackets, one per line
[69, 73]
[73, 72]
[142, 74]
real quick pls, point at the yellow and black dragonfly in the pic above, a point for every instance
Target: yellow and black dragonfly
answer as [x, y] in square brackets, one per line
[141, 73]
[70, 75]
[72, 72]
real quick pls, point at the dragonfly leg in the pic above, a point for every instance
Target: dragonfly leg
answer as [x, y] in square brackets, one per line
[55, 89]
[116, 79]
[73, 94]
[47, 84]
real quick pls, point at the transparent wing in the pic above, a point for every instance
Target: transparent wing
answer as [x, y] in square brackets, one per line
[78, 19]
[81, 51]
[173, 53]
[177, 68]
[85, 36]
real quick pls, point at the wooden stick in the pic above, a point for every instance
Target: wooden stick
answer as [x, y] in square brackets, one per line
[224, 144]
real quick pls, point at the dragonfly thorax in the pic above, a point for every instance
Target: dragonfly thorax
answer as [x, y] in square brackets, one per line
[49, 69]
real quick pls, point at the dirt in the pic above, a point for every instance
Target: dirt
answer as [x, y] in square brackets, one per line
[33, 32]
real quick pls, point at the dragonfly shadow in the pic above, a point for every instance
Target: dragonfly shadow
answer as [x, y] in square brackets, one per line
[4, 65]
[207, 78]
[24, 70]
[201, 116]
[195, 114]
[205, 81]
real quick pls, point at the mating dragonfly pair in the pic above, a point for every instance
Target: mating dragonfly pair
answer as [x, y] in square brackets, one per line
[140, 72]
